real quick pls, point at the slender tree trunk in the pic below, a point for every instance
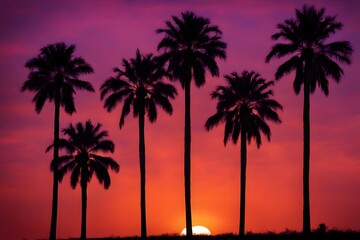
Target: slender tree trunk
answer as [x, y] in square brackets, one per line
[306, 170]
[242, 183]
[55, 170]
[83, 210]
[187, 169]
[142, 170]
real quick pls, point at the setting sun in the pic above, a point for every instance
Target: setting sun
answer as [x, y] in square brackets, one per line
[153, 75]
[197, 230]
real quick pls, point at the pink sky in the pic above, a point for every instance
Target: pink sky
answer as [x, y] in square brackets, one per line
[107, 31]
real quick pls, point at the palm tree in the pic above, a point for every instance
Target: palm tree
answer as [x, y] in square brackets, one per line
[82, 145]
[190, 46]
[139, 86]
[244, 105]
[54, 76]
[314, 62]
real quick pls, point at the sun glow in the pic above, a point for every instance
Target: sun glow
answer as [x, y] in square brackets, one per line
[197, 230]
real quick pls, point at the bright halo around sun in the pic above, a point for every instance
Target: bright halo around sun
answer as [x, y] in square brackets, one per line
[198, 230]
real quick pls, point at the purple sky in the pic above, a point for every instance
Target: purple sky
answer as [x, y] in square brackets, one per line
[107, 31]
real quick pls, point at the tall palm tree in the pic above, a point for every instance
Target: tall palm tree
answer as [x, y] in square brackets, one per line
[314, 61]
[190, 46]
[54, 76]
[139, 86]
[244, 105]
[83, 143]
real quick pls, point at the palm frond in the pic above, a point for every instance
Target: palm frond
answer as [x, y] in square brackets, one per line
[287, 67]
[67, 99]
[341, 51]
[164, 103]
[40, 98]
[199, 73]
[104, 146]
[125, 111]
[75, 175]
[214, 120]
[115, 98]
[151, 110]
[81, 84]
[281, 49]
[65, 169]
[229, 127]
[101, 174]
[107, 162]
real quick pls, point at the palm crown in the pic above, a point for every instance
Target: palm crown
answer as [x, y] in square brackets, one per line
[82, 145]
[56, 69]
[139, 84]
[312, 58]
[244, 105]
[190, 47]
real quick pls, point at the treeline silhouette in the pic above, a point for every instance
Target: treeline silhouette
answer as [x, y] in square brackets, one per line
[190, 48]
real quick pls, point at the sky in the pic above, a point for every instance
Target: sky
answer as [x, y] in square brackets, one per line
[104, 33]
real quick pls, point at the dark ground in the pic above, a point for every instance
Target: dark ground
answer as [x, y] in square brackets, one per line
[329, 235]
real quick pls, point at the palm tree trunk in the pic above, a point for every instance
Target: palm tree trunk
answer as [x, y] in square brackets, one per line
[187, 169]
[142, 170]
[55, 170]
[306, 170]
[83, 210]
[242, 183]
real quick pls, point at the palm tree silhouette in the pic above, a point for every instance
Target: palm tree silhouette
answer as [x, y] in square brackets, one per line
[54, 76]
[314, 61]
[83, 143]
[139, 85]
[244, 105]
[190, 46]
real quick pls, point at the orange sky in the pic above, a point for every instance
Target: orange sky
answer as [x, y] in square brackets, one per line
[104, 33]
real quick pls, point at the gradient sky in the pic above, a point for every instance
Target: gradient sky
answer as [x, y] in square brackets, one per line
[107, 31]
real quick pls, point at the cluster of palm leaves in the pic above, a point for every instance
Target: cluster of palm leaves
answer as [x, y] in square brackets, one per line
[190, 47]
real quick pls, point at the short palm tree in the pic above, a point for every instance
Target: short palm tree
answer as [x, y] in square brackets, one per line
[244, 105]
[190, 46]
[314, 62]
[83, 143]
[139, 86]
[54, 76]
